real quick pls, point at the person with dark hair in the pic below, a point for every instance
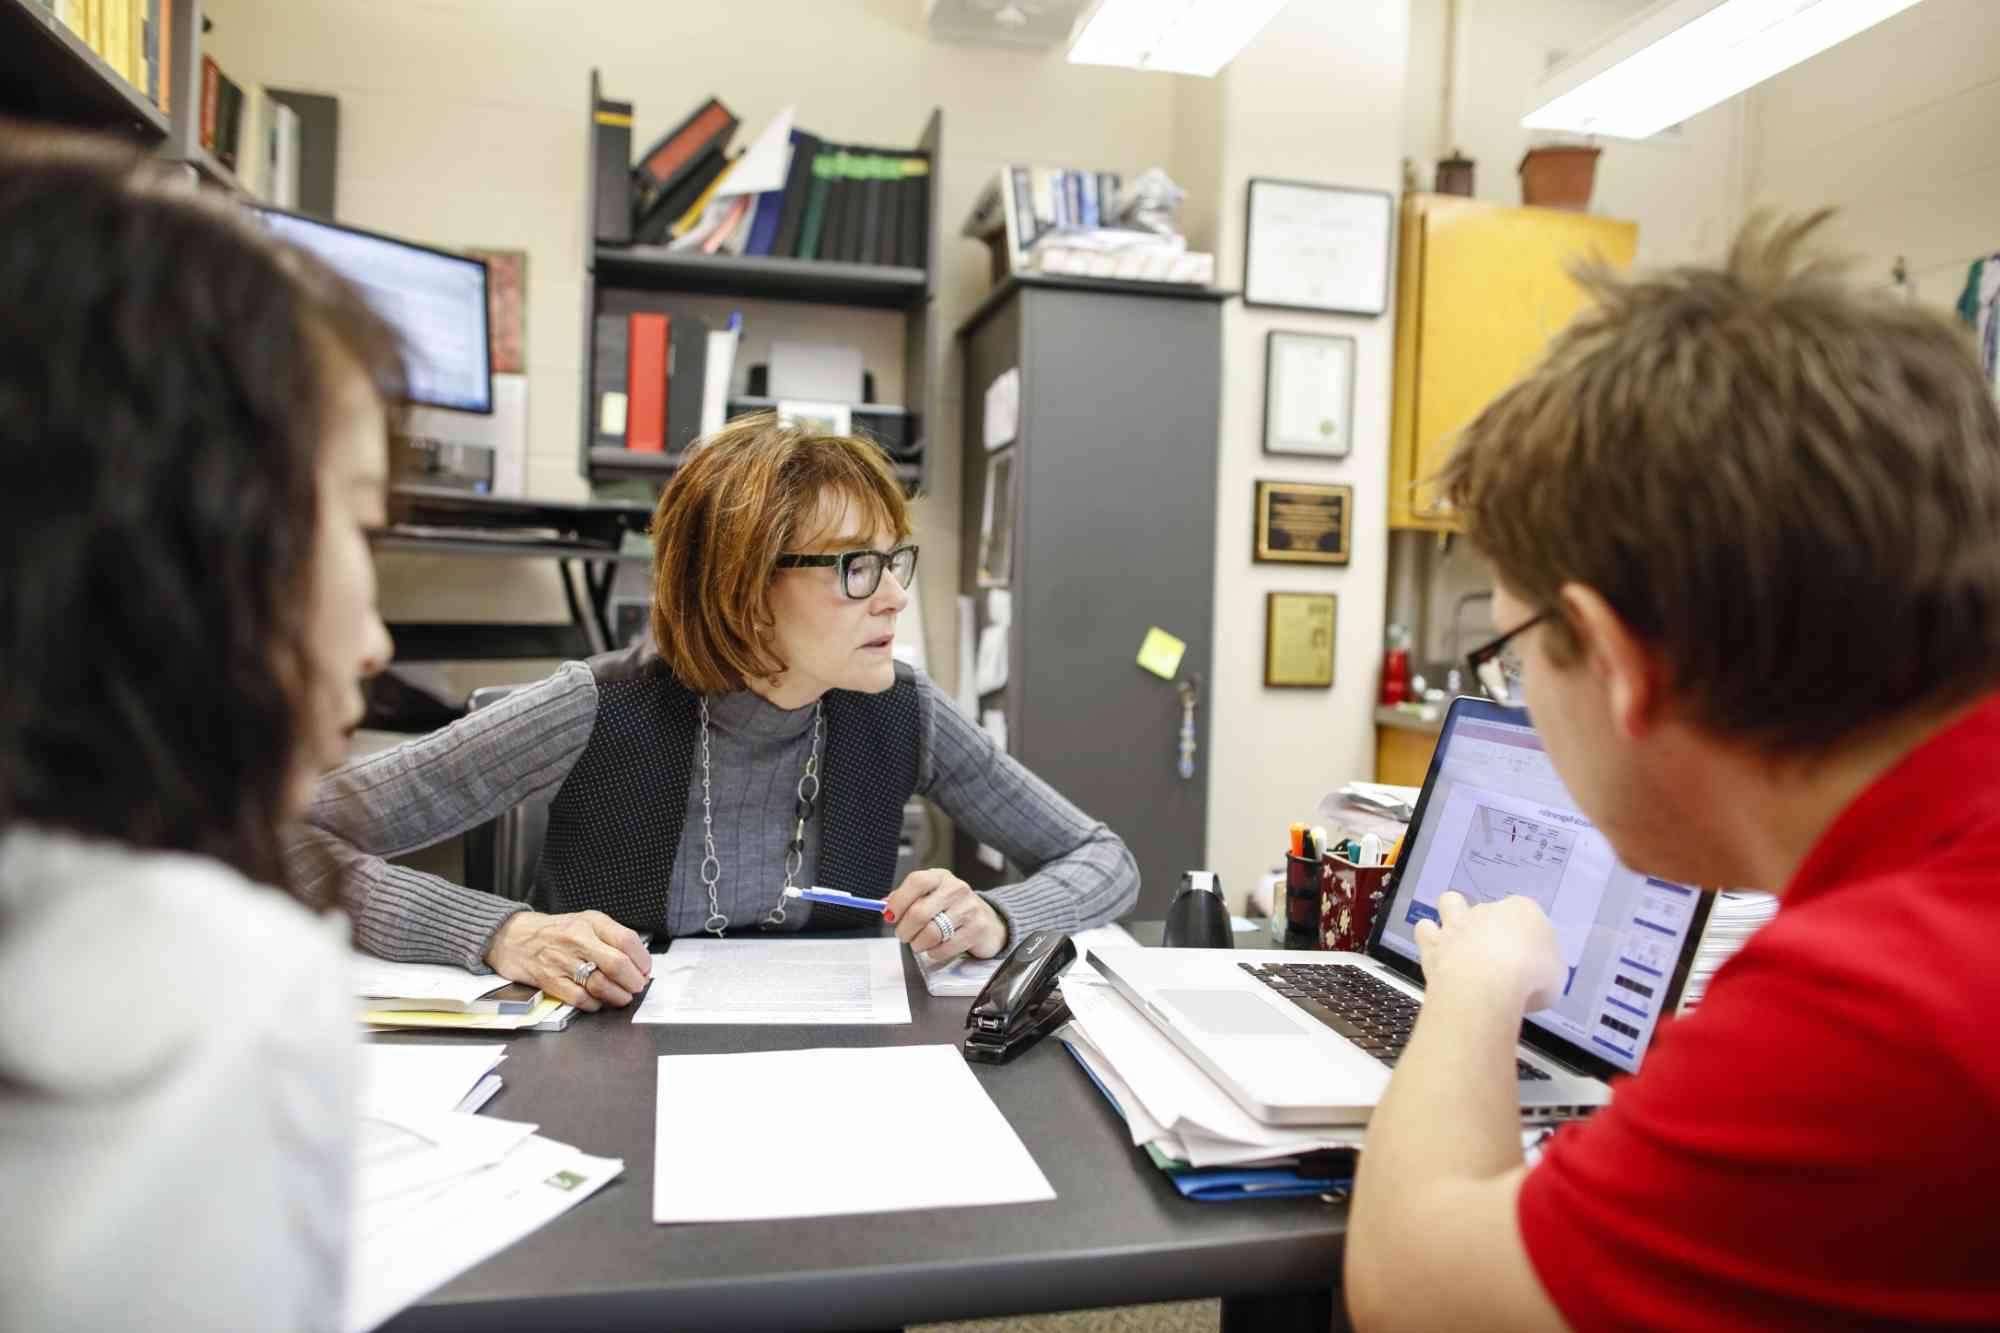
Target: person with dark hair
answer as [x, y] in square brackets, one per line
[192, 449]
[764, 737]
[1745, 522]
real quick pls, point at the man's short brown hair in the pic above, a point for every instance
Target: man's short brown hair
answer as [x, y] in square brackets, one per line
[746, 495]
[1790, 487]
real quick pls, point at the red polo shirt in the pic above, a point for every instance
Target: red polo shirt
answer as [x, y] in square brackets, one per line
[1818, 1145]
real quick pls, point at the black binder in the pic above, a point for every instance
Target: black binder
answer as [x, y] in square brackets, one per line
[611, 167]
[687, 369]
[798, 185]
[607, 376]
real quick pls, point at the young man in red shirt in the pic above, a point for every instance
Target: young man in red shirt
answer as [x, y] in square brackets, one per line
[1745, 524]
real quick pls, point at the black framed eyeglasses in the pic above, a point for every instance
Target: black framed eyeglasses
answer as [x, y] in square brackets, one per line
[861, 571]
[1497, 665]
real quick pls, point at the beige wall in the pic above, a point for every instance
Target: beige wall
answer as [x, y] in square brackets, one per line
[1319, 97]
[1893, 127]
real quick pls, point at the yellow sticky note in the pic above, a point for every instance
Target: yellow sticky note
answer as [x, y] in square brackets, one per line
[1161, 653]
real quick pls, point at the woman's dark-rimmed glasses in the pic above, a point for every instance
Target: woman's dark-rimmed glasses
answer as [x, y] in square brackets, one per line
[861, 571]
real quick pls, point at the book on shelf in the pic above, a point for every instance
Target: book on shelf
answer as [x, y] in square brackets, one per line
[687, 359]
[840, 202]
[679, 152]
[610, 390]
[646, 384]
[1023, 204]
[611, 172]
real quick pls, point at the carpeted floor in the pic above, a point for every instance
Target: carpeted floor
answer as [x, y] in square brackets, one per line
[1177, 1317]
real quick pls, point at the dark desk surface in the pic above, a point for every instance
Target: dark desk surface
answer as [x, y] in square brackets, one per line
[1117, 1233]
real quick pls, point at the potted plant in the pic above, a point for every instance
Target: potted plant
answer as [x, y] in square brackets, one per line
[1559, 174]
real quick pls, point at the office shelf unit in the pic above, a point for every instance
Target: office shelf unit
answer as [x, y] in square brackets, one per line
[49, 74]
[621, 279]
[1113, 468]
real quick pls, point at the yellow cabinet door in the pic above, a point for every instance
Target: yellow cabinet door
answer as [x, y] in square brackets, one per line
[1493, 289]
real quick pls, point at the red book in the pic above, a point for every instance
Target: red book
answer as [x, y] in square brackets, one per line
[677, 151]
[646, 385]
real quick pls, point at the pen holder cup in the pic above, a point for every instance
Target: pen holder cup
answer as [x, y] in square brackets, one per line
[1349, 896]
[1304, 880]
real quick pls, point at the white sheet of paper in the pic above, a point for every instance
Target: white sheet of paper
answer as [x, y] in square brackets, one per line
[830, 982]
[394, 1155]
[763, 164]
[764, 1167]
[424, 1246]
[423, 1078]
[419, 981]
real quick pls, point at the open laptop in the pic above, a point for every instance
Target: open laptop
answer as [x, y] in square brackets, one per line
[1309, 1038]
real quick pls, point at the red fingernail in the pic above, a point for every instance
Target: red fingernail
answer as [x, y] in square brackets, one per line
[889, 915]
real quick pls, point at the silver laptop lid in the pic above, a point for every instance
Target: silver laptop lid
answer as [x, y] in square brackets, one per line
[1493, 820]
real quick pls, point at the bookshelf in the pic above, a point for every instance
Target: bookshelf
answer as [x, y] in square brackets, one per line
[619, 278]
[48, 73]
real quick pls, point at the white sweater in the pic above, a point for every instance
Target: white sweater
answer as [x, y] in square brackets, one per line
[176, 1078]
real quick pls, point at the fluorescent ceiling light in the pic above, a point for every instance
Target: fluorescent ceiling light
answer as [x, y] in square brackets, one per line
[1685, 56]
[1173, 36]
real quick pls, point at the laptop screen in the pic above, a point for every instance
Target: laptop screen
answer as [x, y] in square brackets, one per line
[1493, 820]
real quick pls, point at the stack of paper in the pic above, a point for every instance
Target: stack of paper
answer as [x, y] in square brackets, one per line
[429, 995]
[1737, 915]
[398, 1080]
[1383, 798]
[1209, 1146]
[438, 1191]
[966, 975]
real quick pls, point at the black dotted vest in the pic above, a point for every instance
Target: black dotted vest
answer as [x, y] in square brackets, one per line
[615, 824]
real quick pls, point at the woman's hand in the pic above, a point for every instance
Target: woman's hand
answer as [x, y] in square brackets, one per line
[544, 951]
[926, 895]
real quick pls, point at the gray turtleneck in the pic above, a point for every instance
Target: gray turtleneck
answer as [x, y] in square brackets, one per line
[433, 787]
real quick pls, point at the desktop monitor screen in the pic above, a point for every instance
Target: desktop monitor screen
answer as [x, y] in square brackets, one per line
[436, 300]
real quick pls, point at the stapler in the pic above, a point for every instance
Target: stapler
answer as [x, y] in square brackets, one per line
[1020, 1003]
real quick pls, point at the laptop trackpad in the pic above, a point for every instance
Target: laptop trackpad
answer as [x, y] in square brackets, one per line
[1231, 1013]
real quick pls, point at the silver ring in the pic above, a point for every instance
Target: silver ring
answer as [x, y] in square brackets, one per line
[943, 922]
[583, 971]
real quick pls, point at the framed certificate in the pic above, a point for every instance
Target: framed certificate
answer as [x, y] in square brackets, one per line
[1308, 394]
[1298, 639]
[1317, 247]
[1302, 523]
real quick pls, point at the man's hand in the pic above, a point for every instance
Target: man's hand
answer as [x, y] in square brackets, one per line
[544, 951]
[926, 895]
[1506, 949]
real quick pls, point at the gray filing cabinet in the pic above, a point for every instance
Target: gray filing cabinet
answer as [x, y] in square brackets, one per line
[1113, 531]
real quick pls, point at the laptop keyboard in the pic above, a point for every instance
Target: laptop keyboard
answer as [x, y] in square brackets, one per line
[1362, 1008]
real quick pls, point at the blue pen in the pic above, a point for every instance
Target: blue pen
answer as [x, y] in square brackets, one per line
[835, 898]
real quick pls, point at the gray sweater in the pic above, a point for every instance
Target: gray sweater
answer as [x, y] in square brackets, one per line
[434, 787]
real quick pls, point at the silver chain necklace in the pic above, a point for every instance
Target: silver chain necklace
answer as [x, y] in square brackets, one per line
[795, 855]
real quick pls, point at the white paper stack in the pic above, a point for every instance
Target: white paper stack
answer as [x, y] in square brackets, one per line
[423, 1079]
[1168, 1101]
[437, 1191]
[388, 991]
[1737, 915]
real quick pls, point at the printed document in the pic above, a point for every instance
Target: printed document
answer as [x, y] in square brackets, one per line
[777, 982]
[764, 1160]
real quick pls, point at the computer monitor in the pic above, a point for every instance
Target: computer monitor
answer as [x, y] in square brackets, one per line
[435, 299]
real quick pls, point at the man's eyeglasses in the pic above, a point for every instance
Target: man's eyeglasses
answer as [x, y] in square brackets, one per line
[861, 571]
[1497, 666]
